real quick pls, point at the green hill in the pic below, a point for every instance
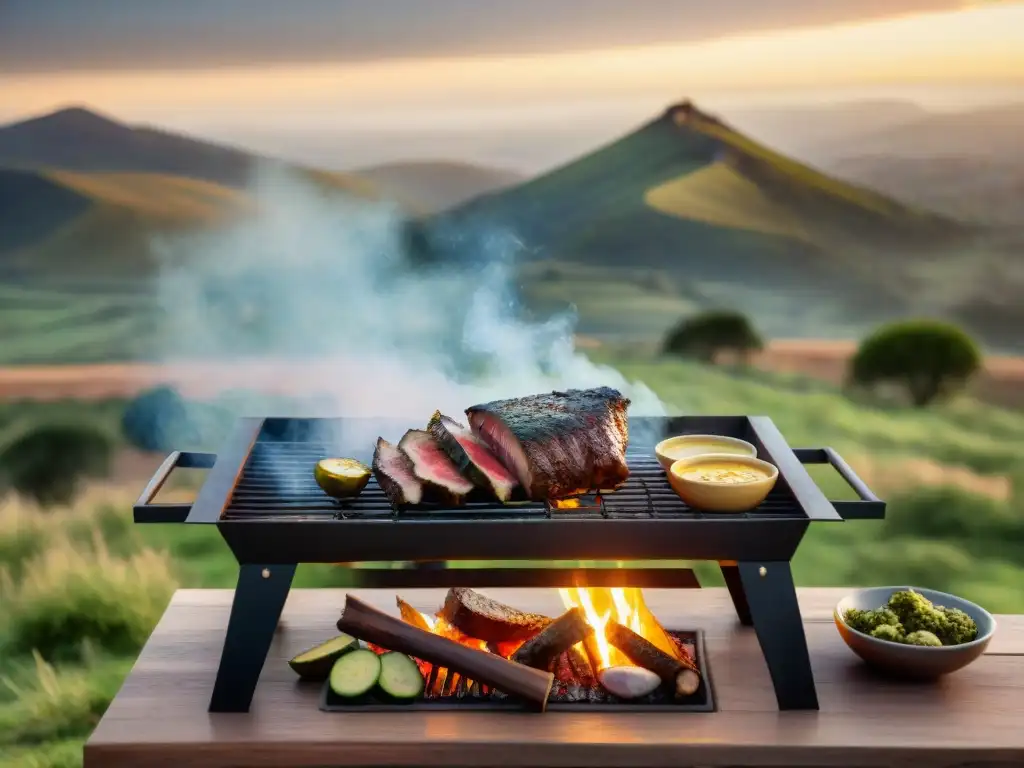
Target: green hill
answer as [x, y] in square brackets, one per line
[57, 223]
[687, 194]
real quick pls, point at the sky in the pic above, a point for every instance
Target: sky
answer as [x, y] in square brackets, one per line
[251, 67]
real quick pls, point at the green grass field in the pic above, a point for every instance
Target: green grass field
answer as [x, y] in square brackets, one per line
[82, 587]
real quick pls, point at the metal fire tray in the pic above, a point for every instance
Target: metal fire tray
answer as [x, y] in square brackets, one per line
[703, 700]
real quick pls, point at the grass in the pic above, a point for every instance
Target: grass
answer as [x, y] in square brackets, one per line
[82, 586]
[719, 195]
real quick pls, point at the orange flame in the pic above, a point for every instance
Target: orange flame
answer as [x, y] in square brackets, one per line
[601, 604]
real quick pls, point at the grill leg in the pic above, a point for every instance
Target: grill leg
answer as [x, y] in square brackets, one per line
[259, 598]
[771, 599]
[731, 574]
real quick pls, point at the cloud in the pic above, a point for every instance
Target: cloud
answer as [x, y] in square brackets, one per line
[56, 35]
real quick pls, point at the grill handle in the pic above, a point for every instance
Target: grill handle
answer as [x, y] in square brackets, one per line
[145, 511]
[869, 506]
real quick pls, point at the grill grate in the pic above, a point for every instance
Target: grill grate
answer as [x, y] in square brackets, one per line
[277, 483]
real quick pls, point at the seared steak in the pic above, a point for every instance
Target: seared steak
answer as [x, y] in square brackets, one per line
[395, 476]
[559, 444]
[432, 466]
[472, 458]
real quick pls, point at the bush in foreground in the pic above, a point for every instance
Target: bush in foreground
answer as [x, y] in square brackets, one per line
[71, 595]
[928, 359]
[48, 462]
[705, 336]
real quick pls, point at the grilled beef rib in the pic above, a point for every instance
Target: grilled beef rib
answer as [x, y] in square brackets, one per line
[559, 444]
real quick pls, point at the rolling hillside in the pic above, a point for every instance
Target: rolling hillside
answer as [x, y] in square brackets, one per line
[431, 186]
[83, 194]
[687, 194]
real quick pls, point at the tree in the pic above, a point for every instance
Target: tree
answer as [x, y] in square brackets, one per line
[48, 462]
[928, 359]
[704, 336]
[158, 420]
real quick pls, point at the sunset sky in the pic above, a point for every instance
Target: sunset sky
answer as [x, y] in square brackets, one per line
[440, 64]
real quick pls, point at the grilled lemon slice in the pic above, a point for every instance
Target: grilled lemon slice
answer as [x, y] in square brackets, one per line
[341, 478]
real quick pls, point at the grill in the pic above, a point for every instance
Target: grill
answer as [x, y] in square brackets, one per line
[261, 495]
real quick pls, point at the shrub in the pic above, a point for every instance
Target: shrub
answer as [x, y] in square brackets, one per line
[928, 359]
[47, 462]
[72, 595]
[60, 704]
[704, 336]
[157, 420]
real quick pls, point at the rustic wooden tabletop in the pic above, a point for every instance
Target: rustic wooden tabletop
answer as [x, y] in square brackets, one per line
[160, 717]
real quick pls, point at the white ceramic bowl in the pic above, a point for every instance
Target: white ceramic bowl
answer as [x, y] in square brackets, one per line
[673, 449]
[722, 497]
[913, 661]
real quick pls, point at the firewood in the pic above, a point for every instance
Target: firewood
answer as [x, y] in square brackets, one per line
[581, 667]
[374, 626]
[484, 618]
[556, 638]
[655, 633]
[681, 675]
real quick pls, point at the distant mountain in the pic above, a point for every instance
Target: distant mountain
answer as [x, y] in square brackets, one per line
[431, 186]
[993, 132]
[814, 133]
[77, 139]
[689, 194]
[966, 164]
[83, 193]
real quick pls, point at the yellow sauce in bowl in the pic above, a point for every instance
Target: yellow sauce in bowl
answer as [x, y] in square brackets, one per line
[724, 473]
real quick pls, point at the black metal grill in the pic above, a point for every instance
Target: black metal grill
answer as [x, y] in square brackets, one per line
[262, 496]
[277, 482]
[566, 695]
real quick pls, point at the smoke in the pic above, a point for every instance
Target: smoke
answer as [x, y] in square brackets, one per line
[315, 296]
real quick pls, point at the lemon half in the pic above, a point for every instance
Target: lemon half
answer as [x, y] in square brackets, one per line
[341, 478]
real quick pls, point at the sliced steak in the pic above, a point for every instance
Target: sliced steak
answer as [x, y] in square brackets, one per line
[395, 476]
[441, 478]
[472, 457]
[559, 444]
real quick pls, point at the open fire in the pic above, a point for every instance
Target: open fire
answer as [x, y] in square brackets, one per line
[624, 654]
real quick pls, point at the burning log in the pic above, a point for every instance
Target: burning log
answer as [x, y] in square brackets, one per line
[373, 626]
[581, 667]
[552, 641]
[482, 617]
[681, 675]
[653, 631]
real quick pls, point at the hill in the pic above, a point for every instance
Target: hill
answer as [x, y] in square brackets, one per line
[78, 139]
[81, 193]
[688, 194]
[986, 132]
[431, 186]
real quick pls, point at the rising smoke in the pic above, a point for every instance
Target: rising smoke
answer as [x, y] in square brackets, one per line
[320, 291]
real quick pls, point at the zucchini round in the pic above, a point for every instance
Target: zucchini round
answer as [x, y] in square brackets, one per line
[355, 673]
[400, 678]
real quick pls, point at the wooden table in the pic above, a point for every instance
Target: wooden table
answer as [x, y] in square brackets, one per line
[160, 716]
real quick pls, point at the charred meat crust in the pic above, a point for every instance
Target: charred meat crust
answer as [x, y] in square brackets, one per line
[559, 444]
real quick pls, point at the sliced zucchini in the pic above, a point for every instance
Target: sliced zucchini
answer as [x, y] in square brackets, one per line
[316, 663]
[355, 673]
[400, 677]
